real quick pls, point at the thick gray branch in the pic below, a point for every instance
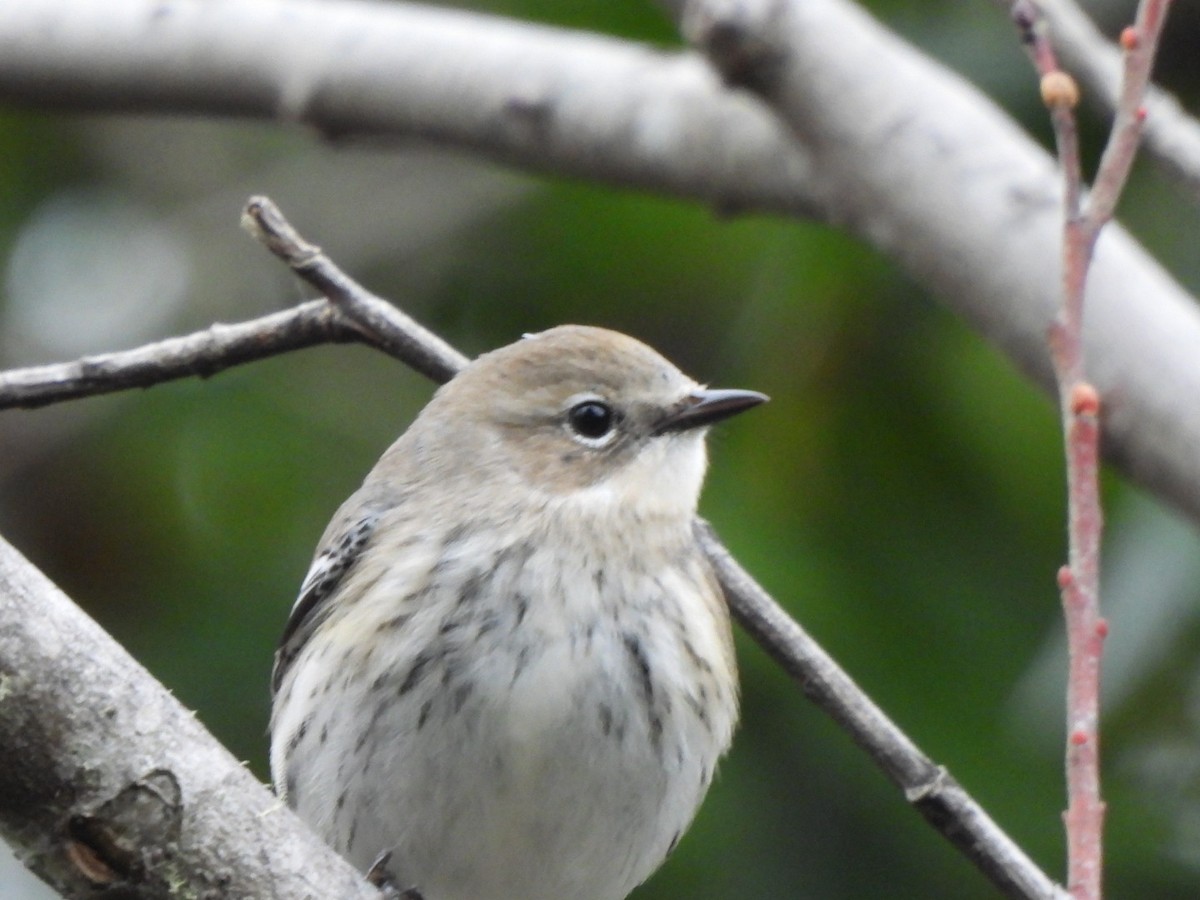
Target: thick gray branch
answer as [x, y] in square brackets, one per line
[107, 781]
[556, 100]
[930, 171]
[882, 140]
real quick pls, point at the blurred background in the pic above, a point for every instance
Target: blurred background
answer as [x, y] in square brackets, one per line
[902, 494]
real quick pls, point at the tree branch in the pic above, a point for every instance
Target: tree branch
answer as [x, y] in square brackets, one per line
[1080, 406]
[927, 786]
[559, 101]
[205, 353]
[882, 140]
[928, 170]
[1171, 137]
[201, 354]
[110, 783]
[380, 322]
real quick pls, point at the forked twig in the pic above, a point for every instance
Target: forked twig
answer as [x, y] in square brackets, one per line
[389, 329]
[1079, 401]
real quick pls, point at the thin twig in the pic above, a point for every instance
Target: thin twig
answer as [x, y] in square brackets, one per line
[348, 313]
[201, 354]
[1079, 580]
[1172, 137]
[393, 331]
[927, 786]
[1140, 45]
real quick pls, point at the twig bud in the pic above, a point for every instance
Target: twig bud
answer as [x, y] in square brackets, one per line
[1129, 38]
[1059, 90]
[1065, 578]
[1085, 400]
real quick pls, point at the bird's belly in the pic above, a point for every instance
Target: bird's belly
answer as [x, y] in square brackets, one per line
[556, 769]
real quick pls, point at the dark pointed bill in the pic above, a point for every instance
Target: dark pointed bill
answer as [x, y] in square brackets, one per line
[706, 407]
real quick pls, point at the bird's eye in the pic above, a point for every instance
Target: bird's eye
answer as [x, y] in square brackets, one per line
[592, 420]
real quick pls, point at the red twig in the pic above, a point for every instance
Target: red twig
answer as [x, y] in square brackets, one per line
[1079, 580]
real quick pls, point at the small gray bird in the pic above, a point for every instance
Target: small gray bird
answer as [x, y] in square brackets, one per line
[510, 666]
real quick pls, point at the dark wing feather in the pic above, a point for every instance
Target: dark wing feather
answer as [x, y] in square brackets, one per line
[338, 556]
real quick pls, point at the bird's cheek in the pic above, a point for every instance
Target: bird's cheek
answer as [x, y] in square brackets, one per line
[665, 478]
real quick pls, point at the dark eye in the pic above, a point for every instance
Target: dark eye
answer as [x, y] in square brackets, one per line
[591, 419]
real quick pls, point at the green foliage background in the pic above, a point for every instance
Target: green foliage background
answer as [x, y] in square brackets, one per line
[902, 494]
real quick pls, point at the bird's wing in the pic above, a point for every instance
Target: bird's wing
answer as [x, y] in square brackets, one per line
[340, 549]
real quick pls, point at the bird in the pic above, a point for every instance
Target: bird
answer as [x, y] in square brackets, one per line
[509, 673]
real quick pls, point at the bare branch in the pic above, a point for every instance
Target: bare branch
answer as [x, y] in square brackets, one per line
[109, 782]
[555, 100]
[201, 354]
[349, 313]
[927, 786]
[868, 117]
[387, 327]
[1172, 137]
[1080, 406]
[1129, 120]
[925, 168]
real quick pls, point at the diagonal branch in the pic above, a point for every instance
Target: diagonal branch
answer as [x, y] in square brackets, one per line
[208, 352]
[927, 786]
[381, 322]
[110, 787]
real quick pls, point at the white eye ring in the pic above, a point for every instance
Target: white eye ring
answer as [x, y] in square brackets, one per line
[592, 422]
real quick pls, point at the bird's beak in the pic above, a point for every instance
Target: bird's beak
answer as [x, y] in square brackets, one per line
[704, 407]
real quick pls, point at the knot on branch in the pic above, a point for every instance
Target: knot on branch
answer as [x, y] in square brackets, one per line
[125, 838]
[737, 38]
